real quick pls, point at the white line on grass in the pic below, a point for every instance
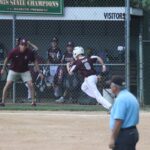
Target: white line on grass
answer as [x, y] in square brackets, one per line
[67, 114]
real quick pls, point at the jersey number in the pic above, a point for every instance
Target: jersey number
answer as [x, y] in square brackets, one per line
[87, 66]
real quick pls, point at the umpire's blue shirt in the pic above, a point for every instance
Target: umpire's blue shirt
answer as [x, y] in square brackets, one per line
[125, 108]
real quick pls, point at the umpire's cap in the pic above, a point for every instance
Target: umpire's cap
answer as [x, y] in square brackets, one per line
[118, 80]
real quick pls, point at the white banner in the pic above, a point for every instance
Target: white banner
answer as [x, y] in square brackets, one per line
[85, 13]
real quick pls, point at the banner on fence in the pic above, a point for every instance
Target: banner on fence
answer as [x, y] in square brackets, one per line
[43, 7]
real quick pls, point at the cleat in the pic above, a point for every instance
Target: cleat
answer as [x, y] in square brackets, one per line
[2, 104]
[33, 104]
[60, 100]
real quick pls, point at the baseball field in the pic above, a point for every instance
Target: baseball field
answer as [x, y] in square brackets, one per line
[62, 130]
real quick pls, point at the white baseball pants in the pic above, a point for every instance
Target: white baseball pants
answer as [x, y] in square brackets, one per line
[90, 88]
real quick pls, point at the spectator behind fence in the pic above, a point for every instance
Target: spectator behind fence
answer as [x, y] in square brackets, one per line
[104, 55]
[20, 58]
[90, 52]
[121, 54]
[54, 59]
[3, 52]
[70, 82]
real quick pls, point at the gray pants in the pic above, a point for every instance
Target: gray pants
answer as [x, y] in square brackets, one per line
[127, 140]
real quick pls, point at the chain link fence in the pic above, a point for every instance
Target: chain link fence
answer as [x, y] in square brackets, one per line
[146, 83]
[104, 38]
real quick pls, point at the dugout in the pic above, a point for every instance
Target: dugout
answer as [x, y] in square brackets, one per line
[146, 57]
[95, 27]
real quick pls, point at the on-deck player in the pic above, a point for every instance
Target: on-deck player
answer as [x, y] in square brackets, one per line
[85, 66]
[20, 58]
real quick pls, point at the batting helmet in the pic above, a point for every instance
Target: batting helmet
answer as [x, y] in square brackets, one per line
[77, 51]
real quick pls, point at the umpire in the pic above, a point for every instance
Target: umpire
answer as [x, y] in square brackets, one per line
[124, 117]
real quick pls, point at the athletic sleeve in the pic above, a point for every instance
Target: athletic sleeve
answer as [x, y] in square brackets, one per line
[59, 55]
[32, 56]
[48, 56]
[120, 109]
[94, 59]
[63, 59]
[10, 55]
[74, 67]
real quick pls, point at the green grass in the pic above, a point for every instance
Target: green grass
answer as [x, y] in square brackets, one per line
[146, 108]
[57, 107]
[52, 107]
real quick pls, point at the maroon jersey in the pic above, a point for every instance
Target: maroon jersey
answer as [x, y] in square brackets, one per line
[54, 56]
[20, 60]
[84, 66]
[67, 57]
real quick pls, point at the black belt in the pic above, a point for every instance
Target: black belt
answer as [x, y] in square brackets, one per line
[129, 128]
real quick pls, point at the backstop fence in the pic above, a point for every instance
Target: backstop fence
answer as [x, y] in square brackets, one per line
[102, 35]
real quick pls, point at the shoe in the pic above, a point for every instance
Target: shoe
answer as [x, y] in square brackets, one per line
[2, 104]
[109, 110]
[33, 104]
[60, 100]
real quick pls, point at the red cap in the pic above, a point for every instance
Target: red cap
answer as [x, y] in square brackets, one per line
[23, 41]
[71, 44]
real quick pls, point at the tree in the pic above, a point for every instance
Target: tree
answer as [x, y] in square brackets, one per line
[146, 4]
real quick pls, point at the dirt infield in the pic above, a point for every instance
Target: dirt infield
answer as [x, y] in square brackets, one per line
[61, 130]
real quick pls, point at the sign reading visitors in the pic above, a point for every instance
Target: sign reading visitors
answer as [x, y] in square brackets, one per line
[43, 7]
[114, 16]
